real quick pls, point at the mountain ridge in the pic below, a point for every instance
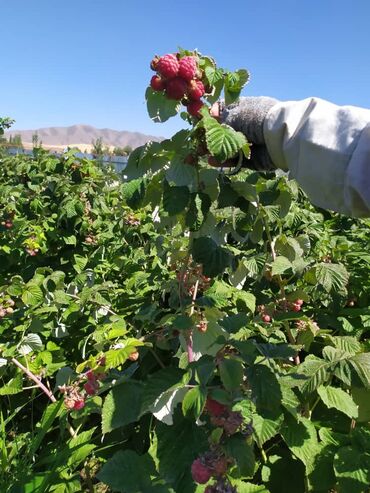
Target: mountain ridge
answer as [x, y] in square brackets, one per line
[84, 134]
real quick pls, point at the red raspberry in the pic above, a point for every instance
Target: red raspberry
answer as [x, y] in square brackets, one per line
[91, 388]
[266, 318]
[157, 83]
[194, 108]
[187, 67]
[79, 404]
[8, 224]
[215, 408]
[296, 308]
[168, 66]
[196, 89]
[299, 302]
[176, 88]
[90, 375]
[200, 473]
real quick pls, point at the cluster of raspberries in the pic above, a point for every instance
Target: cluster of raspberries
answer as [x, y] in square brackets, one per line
[214, 463]
[180, 79]
[86, 385]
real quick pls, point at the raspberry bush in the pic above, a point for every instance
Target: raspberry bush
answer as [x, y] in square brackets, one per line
[185, 328]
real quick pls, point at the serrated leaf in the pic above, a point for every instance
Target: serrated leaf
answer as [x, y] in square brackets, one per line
[175, 199]
[265, 387]
[243, 454]
[13, 386]
[174, 462]
[134, 192]
[245, 487]
[160, 108]
[122, 406]
[30, 343]
[32, 294]
[352, 470]
[223, 142]
[181, 174]
[266, 428]
[198, 209]
[231, 373]
[280, 265]
[332, 276]
[116, 357]
[214, 258]
[336, 398]
[194, 401]
[128, 472]
[362, 399]
[301, 439]
[160, 382]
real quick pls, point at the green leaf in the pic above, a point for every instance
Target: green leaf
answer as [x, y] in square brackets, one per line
[336, 398]
[116, 357]
[362, 399]
[134, 192]
[198, 209]
[214, 258]
[128, 472]
[14, 386]
[245, 487]
[265, 427]
[223, 142]
[160, 382]
[280, 265]
[181, 174]
[316, 372]
[160, 108]
[175, 199]
[301, 439]
[30, 343]
[80, 448]
[32, 294]
[194, 401]
[231, 373]
[122, 406]
[265, 387]
[174, 461]
[332, 277]
[243, 453]
[352, 470]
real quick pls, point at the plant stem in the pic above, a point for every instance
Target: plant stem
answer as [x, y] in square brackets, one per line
[33, 377]
[189, 342]
[41, 386]
[280, 281]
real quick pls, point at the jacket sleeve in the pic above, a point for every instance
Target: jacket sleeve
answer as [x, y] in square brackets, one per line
[326, 148]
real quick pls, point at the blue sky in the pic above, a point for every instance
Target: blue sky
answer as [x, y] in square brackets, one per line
[87, 61]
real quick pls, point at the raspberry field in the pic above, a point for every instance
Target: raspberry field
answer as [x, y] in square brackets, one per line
[191, 327]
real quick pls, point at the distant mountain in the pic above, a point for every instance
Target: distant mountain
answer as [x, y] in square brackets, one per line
[83, 135]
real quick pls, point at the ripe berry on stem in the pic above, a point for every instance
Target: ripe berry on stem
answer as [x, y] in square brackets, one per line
[200, 472]
[168, 66]
[157, 83]
[176, 88]
[187, 67]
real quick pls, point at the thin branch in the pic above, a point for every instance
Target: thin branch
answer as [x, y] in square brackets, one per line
[41, 386]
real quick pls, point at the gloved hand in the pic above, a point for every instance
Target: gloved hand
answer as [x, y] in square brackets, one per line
[247, 115]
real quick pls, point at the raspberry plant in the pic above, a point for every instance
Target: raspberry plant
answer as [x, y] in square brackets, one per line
[189, 329]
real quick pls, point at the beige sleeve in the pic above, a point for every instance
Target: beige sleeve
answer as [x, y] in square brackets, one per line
[326, 148]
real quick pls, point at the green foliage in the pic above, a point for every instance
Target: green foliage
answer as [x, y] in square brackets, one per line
[128, 307]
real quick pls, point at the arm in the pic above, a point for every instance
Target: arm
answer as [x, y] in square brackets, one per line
[326, 148]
